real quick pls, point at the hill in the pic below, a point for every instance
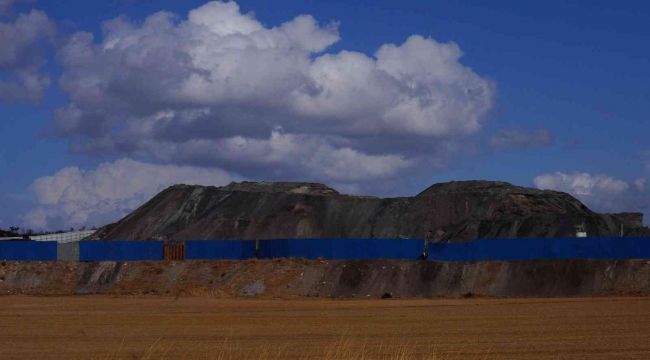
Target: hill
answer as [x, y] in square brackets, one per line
[454, 211]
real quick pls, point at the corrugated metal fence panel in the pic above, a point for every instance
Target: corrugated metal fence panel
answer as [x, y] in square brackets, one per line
[174, 250]
[342, 249]
[312, 248]
[606, 248]
[278, 248]
[120, 250]
[67, 251]
[611, 248]
[399, 249]
[28, 250]
[219, 249]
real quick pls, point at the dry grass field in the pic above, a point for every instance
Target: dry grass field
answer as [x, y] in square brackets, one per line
[103, 327]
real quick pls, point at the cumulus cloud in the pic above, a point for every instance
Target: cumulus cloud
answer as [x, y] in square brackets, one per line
[601, 192]
[300, 155]
[74, 197]
[21, 57]
[216, 92]
[219, 88]
[521, 139]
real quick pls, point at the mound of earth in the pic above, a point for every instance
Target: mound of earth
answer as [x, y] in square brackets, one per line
[453, 211]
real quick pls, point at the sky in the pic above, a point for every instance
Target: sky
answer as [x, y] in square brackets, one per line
[105, 103]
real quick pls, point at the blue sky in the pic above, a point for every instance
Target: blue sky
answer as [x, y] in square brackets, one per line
[567, 85]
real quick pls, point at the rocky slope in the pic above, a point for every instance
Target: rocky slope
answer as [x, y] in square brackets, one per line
[454, 211]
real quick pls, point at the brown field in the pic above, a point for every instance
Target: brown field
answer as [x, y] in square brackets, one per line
[103, 327]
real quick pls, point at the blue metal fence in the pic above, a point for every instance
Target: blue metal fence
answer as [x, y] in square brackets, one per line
[219, 249]
[345, 249]
[28, 250]
[342, 249]
[607, 248]
[120, 250]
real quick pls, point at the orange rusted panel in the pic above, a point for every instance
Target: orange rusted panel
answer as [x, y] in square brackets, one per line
[174, 251]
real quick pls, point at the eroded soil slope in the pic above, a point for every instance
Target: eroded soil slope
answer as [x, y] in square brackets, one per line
[288, 278]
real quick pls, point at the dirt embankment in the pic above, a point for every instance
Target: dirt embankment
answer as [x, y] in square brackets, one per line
[301, 278]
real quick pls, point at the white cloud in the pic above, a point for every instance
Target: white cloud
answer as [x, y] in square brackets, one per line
[522, 139]
[308, 157]
[74, 197]
[601, 192]
[21, 57]
[581, 184]
[213, 89]
[217, 93]
[640, 184]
